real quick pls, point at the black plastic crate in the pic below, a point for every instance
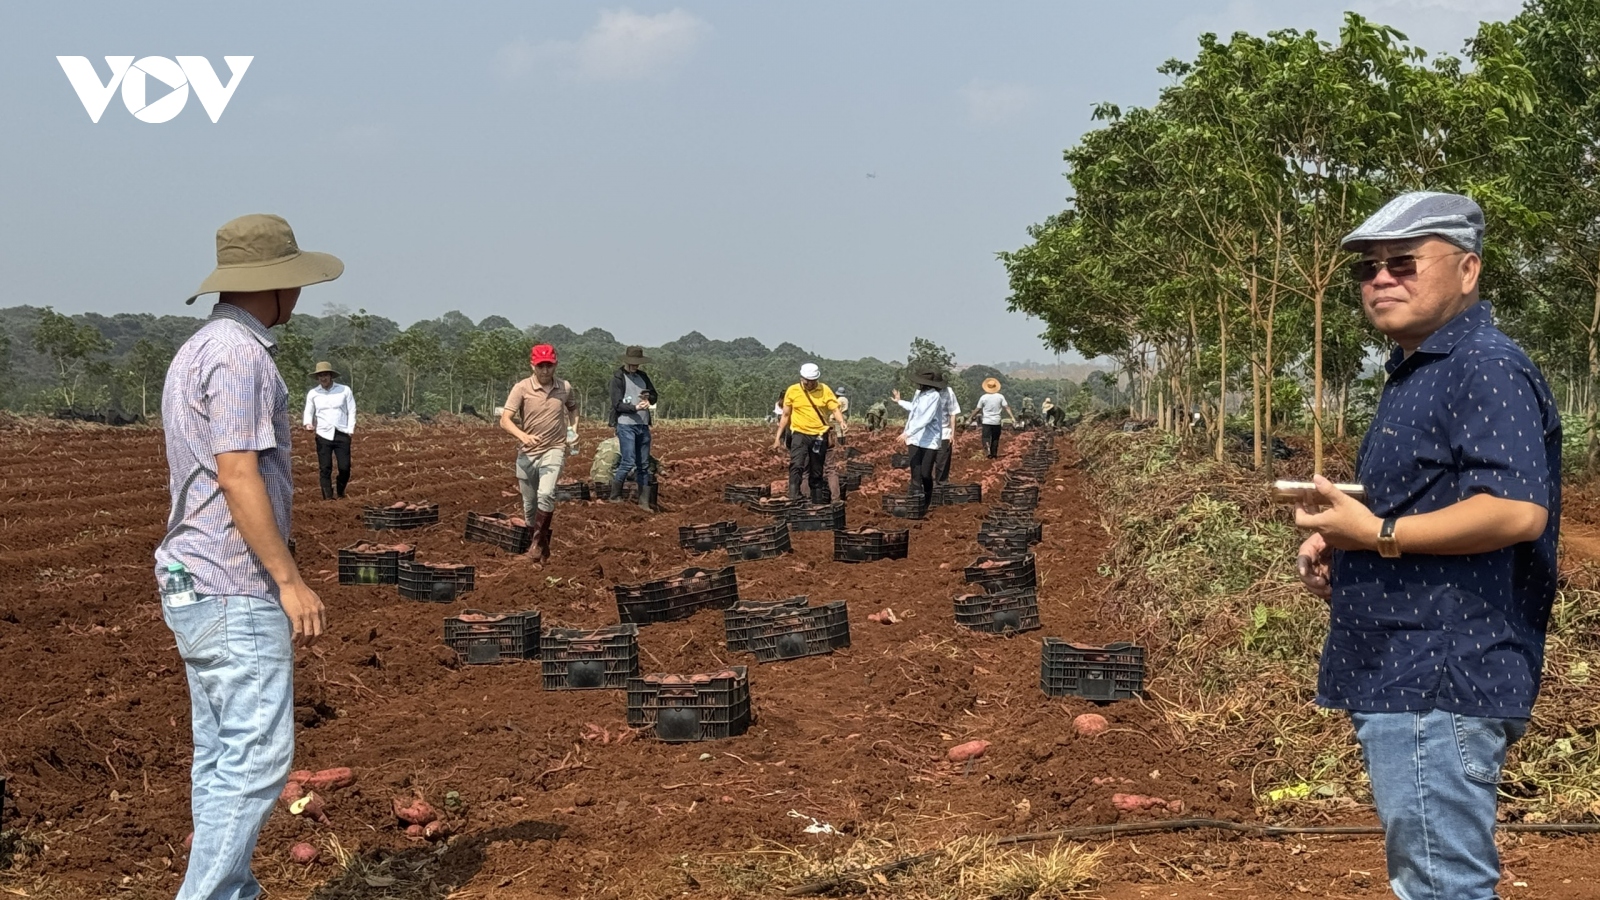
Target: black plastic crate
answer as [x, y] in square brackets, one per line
[849, 483]
[790, 633]
[742, 619]
[579, 659]
[1112, 672]
[396, 516]
[858, 469]
[869, 545]
[681, 708]
[1007, 612]
[367, 563]
[705, 538]
[1026, 496]
[573, 490]
[759, 542]
[480, 638]
[678, 597]
[899, 460]
[745, 493]
[905, 506]
[777, 507]
[1007, 523]
[820, 517]
[509, 533]
[435, 583]
[1005, 542]
[999, 574]
[952, 494]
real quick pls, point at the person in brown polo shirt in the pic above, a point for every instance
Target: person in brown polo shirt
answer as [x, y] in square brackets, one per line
[549, 417]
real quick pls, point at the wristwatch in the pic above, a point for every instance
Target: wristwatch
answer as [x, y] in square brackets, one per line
[1388, 547]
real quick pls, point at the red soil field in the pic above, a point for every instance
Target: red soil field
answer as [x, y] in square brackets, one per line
[558, 797]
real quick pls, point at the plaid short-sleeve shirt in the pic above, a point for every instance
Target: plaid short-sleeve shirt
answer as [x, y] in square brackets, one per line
[1466, 413]
[223, 394]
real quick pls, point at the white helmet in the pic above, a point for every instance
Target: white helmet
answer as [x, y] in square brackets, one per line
[810, 372]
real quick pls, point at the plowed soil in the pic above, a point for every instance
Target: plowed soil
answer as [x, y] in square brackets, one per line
[559, 797]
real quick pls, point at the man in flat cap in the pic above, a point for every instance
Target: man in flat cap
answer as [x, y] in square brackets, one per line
[230, 590]
[1440, 584]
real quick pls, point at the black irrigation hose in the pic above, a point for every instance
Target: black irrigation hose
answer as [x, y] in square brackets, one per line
[1094, 831]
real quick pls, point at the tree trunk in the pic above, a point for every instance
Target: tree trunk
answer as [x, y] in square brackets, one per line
[1316, 384]
[1592, 414]
[1222, 371]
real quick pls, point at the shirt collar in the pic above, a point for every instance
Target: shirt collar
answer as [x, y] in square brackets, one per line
[251, 324]
[1441, 342]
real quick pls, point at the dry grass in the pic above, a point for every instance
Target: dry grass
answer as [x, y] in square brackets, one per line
[1202, 569]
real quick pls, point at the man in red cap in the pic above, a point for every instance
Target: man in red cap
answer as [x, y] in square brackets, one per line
[546, 421]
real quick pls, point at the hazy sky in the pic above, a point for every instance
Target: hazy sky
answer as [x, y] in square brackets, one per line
[836, 174]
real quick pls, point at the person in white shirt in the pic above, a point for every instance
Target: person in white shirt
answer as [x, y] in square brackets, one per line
[927, 417]
[990, 407]
[331, 413]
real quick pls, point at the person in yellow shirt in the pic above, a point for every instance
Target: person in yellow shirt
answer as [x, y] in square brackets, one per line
[807, 407]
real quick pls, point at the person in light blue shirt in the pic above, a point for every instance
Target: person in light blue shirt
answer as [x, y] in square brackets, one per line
[927, 414]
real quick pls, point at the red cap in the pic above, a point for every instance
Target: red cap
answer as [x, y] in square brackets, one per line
[543, 353]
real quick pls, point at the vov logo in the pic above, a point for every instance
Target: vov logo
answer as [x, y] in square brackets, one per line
[134, 77]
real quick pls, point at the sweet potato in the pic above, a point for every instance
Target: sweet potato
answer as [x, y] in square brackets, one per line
[1090, 724]
[292, 791]
[1136, 802]
[303, 853]
[969, 750]
[436, 830]
[329, 779]
[414, 831]
[300, 775]
[414, 811]
[309, 806]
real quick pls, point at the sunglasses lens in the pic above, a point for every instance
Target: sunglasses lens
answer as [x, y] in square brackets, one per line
[1364, 270]
[1401, 266]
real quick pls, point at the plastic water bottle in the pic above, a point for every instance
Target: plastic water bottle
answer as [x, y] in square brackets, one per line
[177, 587]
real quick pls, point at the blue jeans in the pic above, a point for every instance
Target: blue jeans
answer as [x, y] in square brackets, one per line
[238, 653]
[1435, 776]
[634, 441]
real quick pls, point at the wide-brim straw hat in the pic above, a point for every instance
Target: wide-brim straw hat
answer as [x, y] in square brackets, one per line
[634, 356]
[991, 385]
[929, 378]
[258, 252]
[325, 368]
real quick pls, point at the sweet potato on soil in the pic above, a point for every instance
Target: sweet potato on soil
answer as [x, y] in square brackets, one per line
[329, 779]
[969, 750]
[414, 811]
[1136, 802]
[1090, 724]
[292, 791]
[300, 775]
[436, 830]
[414, 831]
[303, 853]
[309, 806]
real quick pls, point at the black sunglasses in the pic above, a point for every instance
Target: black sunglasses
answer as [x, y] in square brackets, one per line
[1404, 266]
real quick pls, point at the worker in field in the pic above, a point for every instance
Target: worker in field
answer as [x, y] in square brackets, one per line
[991, 406]
[230, 590]
[331, 413]
[541, 412]
[1027, 410]
[844, 405]
[949, 410]
[926, 414]
[807, 408]
[605, 469]
[877, 414]
[631, 396]
[1440, 584]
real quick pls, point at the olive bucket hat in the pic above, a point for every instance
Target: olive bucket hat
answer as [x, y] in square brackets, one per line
[258, 253]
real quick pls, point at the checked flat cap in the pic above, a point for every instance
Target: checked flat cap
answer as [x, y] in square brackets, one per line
[1456, 218]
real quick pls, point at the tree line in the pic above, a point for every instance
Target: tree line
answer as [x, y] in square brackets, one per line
[1200, 246]
[88, 362]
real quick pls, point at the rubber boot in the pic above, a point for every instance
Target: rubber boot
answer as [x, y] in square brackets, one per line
[616, 492]
[647, 495]
[540, 548]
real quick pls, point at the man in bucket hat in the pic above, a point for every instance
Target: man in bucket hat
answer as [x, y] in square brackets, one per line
[632, 394]
[1440, 585]
[547, 411]
[331, 413]
[230, 590]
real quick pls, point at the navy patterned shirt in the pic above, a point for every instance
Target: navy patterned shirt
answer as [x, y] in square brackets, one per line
[1467, 413]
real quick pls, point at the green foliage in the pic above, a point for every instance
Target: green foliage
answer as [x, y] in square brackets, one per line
[70, 345]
